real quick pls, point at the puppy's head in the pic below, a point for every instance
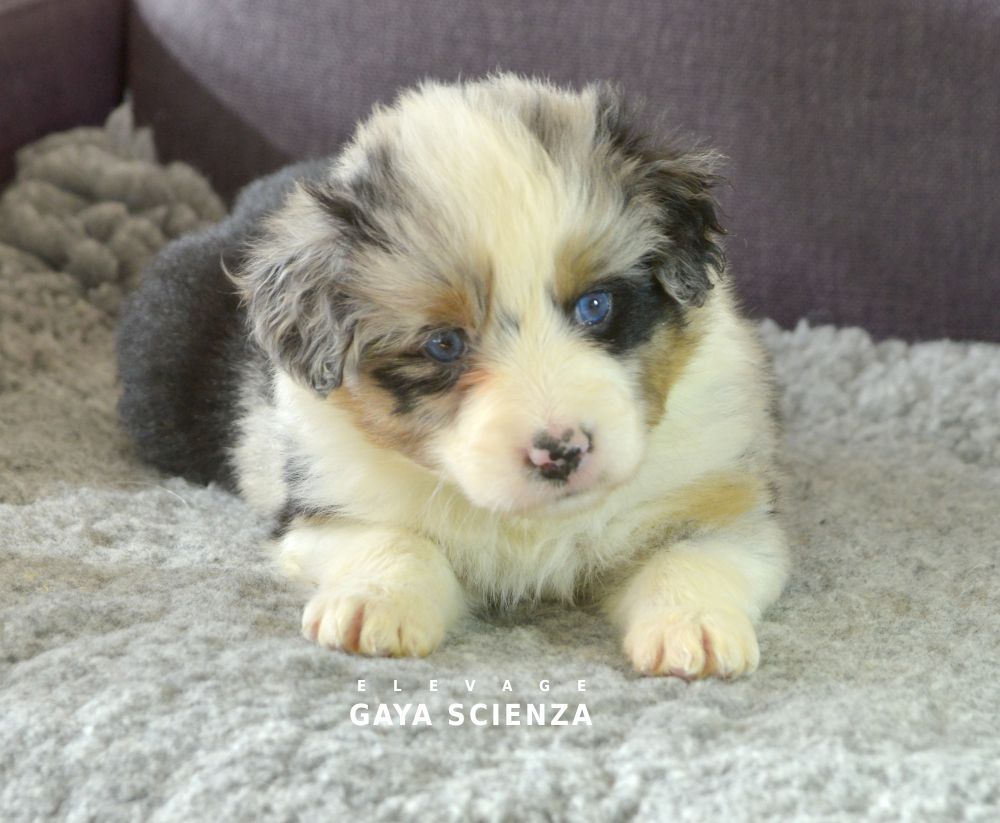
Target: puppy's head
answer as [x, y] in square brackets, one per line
[498, 279]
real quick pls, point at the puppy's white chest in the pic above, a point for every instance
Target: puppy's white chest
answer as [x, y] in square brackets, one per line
[507, 562]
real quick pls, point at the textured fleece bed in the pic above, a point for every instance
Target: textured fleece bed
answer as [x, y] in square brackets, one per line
[150, 662]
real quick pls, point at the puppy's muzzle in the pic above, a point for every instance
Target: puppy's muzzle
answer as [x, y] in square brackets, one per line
[556, 452]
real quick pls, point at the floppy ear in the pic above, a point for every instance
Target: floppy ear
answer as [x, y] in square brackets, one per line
[681, 186]
[678, 183]
[293, 281]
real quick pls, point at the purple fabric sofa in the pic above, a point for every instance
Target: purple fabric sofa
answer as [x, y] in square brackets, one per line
[863, 135]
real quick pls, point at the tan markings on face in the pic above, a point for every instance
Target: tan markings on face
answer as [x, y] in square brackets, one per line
[371, 408]
[663, 359]
[577, 266]
[453, 307]
[718, 499]
[422, 288]
[409, 306]
[475, 378]
[375, 409]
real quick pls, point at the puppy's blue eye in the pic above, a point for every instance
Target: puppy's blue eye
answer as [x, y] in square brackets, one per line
[446, 346]
[593, 308]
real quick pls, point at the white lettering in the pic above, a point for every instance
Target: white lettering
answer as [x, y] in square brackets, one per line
[560, 711]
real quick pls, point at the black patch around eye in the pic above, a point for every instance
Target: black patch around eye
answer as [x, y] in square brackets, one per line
[639, 307]
[412, 377]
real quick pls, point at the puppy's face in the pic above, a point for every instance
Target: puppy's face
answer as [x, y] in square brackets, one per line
[497, 280]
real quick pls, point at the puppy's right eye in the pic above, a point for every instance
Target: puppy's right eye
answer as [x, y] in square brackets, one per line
[445, 346]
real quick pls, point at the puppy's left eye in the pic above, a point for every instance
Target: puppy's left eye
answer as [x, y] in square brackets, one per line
[445, 346]
[593, 308]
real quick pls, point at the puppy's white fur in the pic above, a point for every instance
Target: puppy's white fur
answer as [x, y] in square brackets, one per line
[669, 524]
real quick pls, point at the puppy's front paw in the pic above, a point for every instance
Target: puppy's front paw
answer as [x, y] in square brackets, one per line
[374, 623]
[691, 642]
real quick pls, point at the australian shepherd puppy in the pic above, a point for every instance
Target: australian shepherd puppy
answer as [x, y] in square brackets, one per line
[487, 353]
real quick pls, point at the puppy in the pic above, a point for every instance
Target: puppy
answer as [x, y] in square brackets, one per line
[488, 353]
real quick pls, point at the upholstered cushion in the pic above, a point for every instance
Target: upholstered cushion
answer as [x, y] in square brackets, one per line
[864, 135]
[61, 65]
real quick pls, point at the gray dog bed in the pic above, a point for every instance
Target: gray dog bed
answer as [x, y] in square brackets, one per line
[150, 663]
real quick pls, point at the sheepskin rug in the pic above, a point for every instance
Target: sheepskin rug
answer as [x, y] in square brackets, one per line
[150, 662]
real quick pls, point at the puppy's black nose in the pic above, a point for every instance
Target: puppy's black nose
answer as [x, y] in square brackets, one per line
[555, 456]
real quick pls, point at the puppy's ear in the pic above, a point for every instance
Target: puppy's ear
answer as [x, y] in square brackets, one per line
[678, 183]
[681, 183]
[294, 281]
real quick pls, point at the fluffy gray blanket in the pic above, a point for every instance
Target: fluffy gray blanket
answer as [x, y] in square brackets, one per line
[150, 662]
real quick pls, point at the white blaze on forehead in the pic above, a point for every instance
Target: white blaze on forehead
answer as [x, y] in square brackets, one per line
[486, 181]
